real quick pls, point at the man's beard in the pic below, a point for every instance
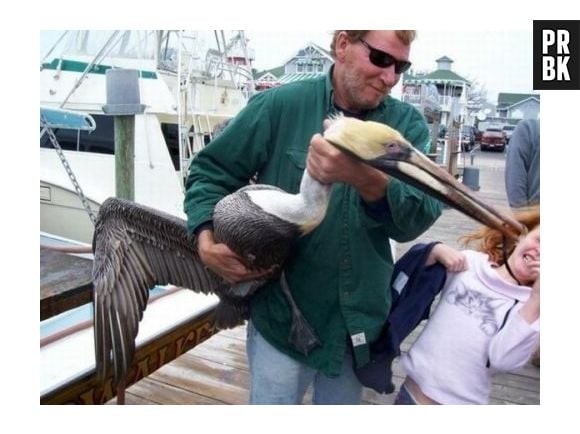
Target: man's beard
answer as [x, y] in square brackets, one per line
[354, 89]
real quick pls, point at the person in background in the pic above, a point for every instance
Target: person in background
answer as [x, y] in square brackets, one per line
[339, 273]
[487, 318]
[522, 172]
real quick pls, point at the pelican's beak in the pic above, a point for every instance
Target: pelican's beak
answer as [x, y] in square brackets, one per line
[387, 150]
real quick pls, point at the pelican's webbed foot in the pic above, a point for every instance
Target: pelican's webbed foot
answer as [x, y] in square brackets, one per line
[302, 337]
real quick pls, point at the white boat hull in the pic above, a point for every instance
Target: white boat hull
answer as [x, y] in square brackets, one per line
[62, 213]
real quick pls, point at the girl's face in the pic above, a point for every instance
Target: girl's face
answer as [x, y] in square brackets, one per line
[525, 259]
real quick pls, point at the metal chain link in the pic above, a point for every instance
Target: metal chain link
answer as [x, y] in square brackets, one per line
[68, 169]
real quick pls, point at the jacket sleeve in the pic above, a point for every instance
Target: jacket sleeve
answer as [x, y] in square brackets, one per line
[514, 344]
[228, 162]
[410, 211]
[518, 162]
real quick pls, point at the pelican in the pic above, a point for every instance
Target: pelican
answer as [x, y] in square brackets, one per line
[137, 247]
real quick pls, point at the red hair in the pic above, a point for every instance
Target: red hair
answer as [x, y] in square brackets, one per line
[491, 241]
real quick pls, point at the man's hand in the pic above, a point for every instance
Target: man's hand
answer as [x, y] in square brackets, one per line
[223, 261]
[328, 164]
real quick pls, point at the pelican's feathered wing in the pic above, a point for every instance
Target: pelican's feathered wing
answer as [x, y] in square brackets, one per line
[136, 248]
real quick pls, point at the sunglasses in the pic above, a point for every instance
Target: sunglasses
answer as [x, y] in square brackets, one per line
[384, 60]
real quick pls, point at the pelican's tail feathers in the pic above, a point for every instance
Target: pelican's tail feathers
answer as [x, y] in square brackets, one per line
[302, 337]
[231, 312]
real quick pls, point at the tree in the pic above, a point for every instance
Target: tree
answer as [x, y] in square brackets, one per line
[476, 98]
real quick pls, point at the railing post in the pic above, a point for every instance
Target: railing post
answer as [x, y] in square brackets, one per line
[123, 102]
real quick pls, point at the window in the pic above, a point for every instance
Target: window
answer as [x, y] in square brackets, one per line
[101, 140]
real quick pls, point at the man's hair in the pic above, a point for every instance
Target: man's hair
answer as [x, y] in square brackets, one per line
[405, 36]
[490, 240]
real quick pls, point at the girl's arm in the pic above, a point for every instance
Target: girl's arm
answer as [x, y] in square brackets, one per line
[530, 311]
[513, 346]
[453, 260]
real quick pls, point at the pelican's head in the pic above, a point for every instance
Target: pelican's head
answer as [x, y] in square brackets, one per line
[387, 150]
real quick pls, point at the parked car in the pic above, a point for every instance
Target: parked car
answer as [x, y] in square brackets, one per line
[507, 132]
[467, 138]
[493, 138]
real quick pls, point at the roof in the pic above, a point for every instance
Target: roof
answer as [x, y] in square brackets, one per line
[289, 78]
[276, 72]
[505, 100]
[301, 52]
[437, 76]
[267, 76]
[322, 49]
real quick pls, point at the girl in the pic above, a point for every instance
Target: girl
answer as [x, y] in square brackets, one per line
[487, 318]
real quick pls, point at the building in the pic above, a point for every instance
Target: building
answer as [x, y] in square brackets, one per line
[452, 91]
[308, 62]
[518, 106]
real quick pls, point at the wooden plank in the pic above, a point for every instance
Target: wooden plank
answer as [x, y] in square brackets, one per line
[65, 282]
[152, 391]
[508, 395]
[203, 377]
[131, 399]
[222, 349]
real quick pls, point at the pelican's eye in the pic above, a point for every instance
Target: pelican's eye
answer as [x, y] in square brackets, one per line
[392, 148]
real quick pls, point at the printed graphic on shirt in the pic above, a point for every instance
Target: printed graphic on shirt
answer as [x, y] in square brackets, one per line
[476, 305]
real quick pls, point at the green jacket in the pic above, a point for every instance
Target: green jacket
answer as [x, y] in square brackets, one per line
[339, 273]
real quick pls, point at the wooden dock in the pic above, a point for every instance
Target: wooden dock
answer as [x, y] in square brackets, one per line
[216, 371]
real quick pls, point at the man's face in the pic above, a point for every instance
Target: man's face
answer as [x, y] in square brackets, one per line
[364, 85]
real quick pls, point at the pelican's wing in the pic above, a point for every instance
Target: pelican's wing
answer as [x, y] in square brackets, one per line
[136, 248]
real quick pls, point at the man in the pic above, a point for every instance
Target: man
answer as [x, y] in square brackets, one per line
[339, 273]
[522, 174]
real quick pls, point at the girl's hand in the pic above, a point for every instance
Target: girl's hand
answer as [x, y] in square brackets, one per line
[530, 311]
[453, 260]
[536, 287]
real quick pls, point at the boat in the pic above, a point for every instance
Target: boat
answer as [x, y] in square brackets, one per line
[188, 83]
[186, 90]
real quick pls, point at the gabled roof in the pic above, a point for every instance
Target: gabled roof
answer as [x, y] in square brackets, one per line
[322, 51]
[267, 76]
[276, 72]
[505, 100]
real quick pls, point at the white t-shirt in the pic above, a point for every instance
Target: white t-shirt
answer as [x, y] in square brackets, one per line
[448, 360]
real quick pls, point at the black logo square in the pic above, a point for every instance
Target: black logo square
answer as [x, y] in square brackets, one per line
[556, 55]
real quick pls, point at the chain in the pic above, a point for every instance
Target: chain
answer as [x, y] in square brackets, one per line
[68, 169]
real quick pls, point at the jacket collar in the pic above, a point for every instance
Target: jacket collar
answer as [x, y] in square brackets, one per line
[330, 104]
